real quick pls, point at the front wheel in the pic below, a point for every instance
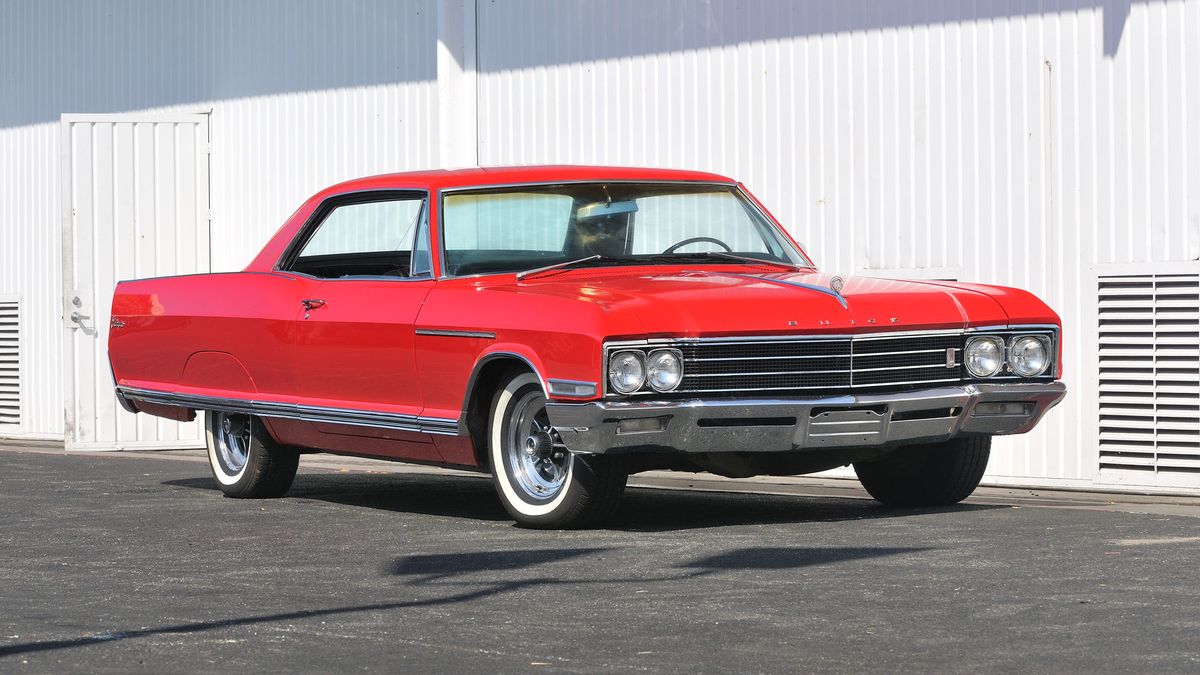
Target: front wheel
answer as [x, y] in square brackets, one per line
[934, 474]
[540, 482]
[245, 460]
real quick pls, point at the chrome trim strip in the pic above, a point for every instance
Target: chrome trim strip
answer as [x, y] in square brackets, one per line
[823, 372]
[769, 358]
[295, 411]
[942, 365]
[581, 181]
[809, 356]
[771, 372]
[823, 387]
[832, 337]
[457, 333]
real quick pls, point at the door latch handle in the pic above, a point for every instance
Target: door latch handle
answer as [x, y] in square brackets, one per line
[78, 318]
[312, 303]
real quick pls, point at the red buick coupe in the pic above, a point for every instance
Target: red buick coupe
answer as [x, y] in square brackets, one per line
[563, 327]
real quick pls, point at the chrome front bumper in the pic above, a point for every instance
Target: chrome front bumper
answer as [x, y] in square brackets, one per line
[781, 425]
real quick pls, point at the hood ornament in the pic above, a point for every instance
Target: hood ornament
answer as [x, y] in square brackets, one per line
[837, 283]
[794, 284]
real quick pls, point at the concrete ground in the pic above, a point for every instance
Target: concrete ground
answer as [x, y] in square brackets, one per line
[134, 562]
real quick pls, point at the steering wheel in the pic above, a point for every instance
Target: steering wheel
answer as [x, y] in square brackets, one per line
[696, 240]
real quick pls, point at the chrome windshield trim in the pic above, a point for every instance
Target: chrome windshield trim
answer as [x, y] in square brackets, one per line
[307, 413]
[744, 197]
[581, 181]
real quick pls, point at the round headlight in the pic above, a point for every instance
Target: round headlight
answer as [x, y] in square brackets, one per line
[626, 371]
[1028, 356]
[984, 356]
[664, 369]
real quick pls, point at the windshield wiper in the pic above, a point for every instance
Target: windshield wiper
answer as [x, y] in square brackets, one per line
[733, 256]
[557, 266]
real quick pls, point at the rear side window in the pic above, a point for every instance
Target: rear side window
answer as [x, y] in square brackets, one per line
[368, 238]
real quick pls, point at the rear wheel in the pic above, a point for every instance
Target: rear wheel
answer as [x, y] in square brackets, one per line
[934, 474]
[245, 460]
[540, 482]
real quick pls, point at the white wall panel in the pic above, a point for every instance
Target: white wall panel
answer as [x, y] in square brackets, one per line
[1016, 143]
[1028, 143]
[302, 94]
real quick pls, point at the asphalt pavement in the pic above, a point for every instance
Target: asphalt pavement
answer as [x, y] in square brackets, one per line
[135, 562]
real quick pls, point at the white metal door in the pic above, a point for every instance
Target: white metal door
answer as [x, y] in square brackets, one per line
[135, 204]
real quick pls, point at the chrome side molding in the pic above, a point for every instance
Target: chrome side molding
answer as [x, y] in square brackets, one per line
[457, 333]
[307, 413]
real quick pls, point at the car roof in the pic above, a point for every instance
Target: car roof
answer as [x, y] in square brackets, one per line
[439, 179]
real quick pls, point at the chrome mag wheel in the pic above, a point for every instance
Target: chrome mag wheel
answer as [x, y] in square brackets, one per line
[232, 439]
[537, 458]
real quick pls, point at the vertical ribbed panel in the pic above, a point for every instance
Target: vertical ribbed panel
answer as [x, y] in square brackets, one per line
[10, 363]
[1011, 143]
[1149, 394]
[138, 199]
[302, 94]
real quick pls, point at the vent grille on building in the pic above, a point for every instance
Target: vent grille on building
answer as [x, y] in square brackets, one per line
[10, 363]
[1150, 372]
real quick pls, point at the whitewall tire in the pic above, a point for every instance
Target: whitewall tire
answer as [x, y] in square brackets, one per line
[539, 481]
[245, 460]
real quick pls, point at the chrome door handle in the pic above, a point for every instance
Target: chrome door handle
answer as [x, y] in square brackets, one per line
[312, 304]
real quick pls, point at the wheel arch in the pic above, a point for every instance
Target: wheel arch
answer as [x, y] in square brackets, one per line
[489, 373]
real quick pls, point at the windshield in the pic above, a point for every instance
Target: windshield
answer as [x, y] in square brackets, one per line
[521, 228]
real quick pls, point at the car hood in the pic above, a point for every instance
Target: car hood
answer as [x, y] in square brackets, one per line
[740, 301]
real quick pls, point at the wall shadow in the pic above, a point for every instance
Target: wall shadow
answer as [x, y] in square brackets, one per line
[91, 57]
[121, 55]
[625, 28]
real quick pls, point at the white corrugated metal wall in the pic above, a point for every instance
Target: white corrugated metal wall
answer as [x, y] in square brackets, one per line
[1031, 143]
[1017, 143]
[301, 94]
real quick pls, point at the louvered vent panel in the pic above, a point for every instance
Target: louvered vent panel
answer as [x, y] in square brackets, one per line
[1150, 373]
[10, 363]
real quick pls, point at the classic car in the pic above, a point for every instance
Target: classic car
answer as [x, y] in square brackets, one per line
[563, 327]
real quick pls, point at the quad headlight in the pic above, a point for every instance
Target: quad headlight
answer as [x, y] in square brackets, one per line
[664, 369]
[1024, 355]
[627, 371]
[984, 356]
[1029, 355]
[634, 370]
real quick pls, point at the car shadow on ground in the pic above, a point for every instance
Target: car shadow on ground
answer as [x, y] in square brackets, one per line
[452, 573]
[436, 567]
[643, 509]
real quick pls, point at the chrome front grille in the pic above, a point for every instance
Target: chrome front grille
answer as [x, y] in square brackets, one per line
[836, 364]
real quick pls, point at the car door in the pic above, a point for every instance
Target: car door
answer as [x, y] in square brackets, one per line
[354, 359]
